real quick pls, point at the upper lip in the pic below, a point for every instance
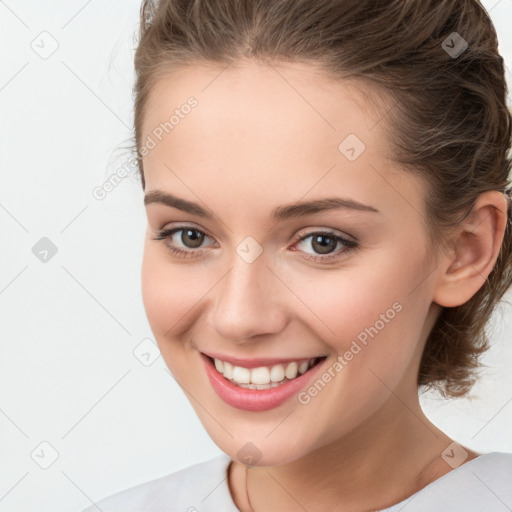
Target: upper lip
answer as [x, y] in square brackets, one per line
[257, 361]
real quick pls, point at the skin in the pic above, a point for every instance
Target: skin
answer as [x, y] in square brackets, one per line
[264, 136]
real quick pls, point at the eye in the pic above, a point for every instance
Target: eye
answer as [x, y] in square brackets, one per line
[325, 243]
[191, 238]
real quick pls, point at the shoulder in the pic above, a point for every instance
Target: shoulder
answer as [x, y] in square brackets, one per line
[202, 486]
[483, 483]
[492, 461]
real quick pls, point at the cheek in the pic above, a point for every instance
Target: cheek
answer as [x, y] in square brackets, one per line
[377, 327]
[346, 301]
[167, 292]
[174, 295]
[170, 296]
[367, 312]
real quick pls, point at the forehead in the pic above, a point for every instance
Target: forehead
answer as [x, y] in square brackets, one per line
[274, 95]
[266, 130]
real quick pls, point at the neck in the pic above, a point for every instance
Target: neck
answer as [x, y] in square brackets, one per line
[370, 468]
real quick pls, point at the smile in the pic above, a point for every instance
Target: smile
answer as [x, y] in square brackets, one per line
[260, 388]
[264, 377]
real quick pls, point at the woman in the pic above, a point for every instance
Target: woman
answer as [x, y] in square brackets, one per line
[329, 231]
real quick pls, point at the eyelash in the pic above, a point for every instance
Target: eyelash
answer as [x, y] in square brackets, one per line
[166, 234]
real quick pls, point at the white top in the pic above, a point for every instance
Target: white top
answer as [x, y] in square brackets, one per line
[482, 484]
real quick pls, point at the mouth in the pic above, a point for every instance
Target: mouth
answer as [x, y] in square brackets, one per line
[264, 376]
[260, 388]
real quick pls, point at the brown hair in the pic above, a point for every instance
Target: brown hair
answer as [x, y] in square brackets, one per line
[448, 123]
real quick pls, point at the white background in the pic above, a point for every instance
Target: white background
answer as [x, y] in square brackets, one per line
[68, 327]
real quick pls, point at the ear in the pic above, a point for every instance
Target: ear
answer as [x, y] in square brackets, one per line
[473, 251]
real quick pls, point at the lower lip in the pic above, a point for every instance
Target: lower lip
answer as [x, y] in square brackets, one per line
[256, 399]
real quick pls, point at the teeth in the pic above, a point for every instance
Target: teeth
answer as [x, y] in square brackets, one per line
[219, 365]
[291, 370]
[242, 375]
[277, 373]
[263, 377]
[260, 375]
[302, 367]
[228, 370]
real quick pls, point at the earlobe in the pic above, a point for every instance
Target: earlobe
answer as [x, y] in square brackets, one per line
[475, 249]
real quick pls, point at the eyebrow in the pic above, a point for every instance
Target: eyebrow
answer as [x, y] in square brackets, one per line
[278, 214]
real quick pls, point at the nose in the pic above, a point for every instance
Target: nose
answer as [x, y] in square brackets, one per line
[248, 301]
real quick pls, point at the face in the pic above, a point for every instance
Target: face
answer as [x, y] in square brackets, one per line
[248, 274]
